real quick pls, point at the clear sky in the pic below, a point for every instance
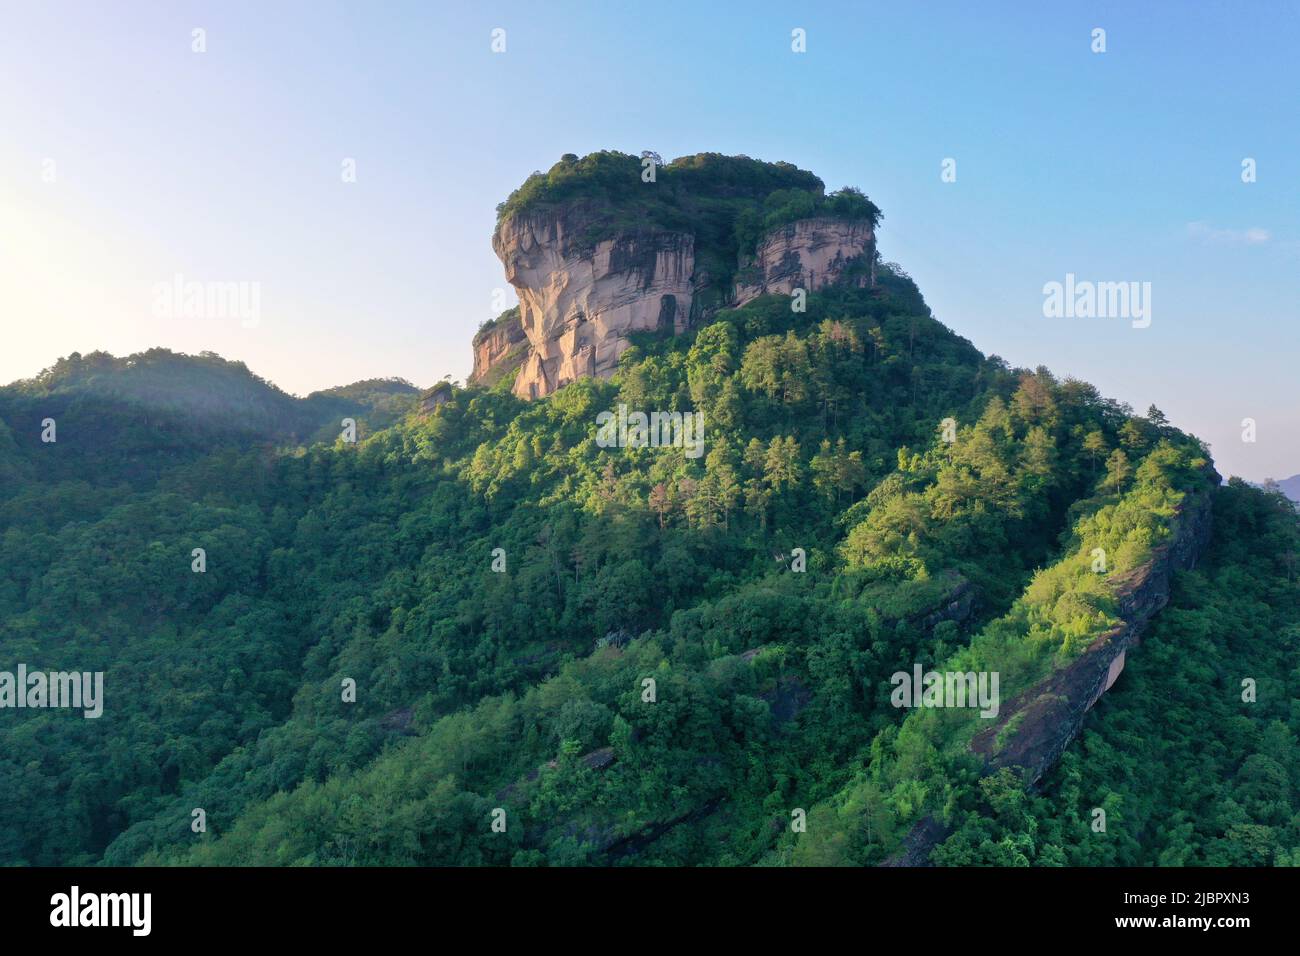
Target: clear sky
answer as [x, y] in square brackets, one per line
[226, 166]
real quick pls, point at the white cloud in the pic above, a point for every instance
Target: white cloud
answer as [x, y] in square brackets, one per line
[1204, 232]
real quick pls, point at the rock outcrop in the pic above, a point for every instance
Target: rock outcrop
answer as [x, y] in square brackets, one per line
[1048, 715]
[434, 398]
[809, 254]
[580, 300]
[498, 349]
[578, 304]
[1034, 728]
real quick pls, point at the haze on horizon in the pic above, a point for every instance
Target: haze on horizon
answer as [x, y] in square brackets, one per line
[1119, 166]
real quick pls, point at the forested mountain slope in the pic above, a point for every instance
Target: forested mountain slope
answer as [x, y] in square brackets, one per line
[624, 655]
[140, 413]
[1193, 757]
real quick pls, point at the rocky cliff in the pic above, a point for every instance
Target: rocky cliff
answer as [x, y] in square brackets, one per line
[809, 254]
[578, 303]
[498, 348]
[1049, 714]
[1033, 729]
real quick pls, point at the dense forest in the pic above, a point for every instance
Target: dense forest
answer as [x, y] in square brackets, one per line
[474, 636]
[1187, 771]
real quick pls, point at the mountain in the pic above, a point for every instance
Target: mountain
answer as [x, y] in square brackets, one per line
[1290, 487]
[535, 628]
[143, 412]
[606, 246]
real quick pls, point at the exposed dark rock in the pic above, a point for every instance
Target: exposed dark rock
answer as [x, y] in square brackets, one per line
[440, 394]
[1048, 715]
[599, 759]
[787, 698]
[398, 720]
[499, 349]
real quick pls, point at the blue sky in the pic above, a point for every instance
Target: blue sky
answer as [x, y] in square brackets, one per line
[225, 166]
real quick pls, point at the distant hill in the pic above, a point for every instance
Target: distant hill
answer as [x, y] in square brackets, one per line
[136, 415]
[1287, 486]
[1291, 487]
[217, 391]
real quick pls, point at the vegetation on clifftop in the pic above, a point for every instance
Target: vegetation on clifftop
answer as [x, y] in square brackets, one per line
[727, 202]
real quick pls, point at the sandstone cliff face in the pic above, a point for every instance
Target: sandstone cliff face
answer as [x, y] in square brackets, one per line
[578, 301]
[498, 350]
[577, 305]
[1048, 715]
[809, 254]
